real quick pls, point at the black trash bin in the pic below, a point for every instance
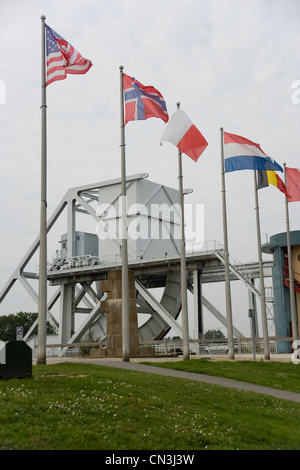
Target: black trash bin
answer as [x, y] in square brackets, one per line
[18, 360]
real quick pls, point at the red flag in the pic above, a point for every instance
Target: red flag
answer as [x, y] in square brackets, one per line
[293, 184]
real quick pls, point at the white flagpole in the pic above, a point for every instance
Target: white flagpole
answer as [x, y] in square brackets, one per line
[291, 276]
[184, 306]
[261, 275]
[42, 304]
[226, 257]
[125, 294]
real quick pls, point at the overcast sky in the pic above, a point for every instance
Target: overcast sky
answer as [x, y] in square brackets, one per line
[230, 63]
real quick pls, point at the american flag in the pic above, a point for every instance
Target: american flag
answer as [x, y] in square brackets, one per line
[62, 58]
[142, 102]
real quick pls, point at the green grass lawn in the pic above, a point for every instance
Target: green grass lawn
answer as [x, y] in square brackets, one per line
[83, 406]
[281, 375]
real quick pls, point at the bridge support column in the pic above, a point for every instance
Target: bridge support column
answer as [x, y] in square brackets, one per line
[66, 322]
[198, 310]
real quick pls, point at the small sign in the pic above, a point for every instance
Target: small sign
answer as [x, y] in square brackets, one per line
[20, 330]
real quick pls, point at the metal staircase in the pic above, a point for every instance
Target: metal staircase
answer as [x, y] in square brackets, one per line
[242, 272]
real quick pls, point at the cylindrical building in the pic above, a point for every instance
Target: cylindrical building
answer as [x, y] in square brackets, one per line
[281, 284]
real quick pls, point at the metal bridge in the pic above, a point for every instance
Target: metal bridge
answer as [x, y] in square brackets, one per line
[78, 278]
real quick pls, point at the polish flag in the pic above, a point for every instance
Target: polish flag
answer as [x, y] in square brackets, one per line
[181, 132]
[293, 183]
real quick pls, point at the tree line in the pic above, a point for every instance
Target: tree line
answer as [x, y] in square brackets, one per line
[9, 324]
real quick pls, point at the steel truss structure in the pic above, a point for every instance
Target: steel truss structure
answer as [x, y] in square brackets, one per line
[79, 287]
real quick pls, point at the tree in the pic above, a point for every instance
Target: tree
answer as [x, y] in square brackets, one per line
[9, 324]
[214, 334]
[89, 338]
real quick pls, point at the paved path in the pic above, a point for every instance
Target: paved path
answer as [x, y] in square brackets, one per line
[274, 392]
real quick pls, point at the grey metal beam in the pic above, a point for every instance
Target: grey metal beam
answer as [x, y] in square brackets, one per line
[86, 324]
[219, 316]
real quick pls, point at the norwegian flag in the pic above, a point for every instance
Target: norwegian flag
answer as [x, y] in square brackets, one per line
[62, 58]
[142, 102]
